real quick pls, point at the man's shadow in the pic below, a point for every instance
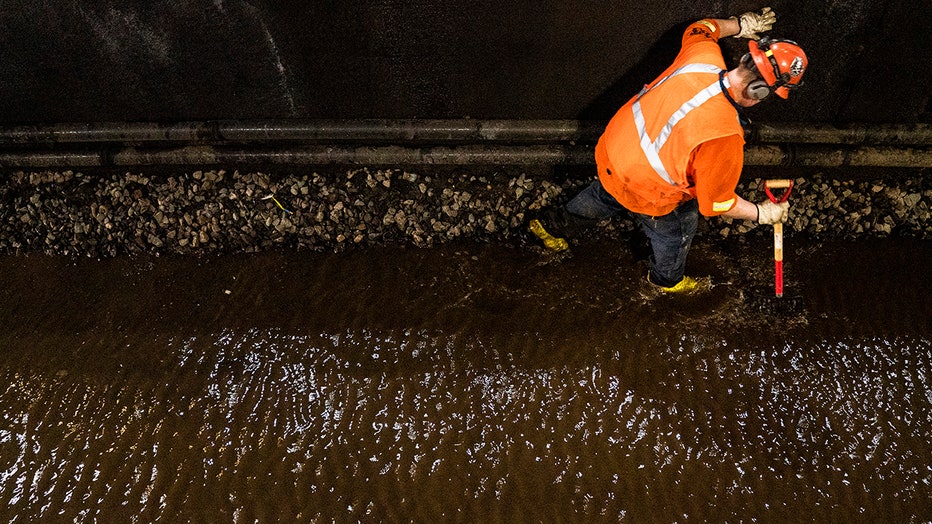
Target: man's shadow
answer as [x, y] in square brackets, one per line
[660, 55]
[654, 61]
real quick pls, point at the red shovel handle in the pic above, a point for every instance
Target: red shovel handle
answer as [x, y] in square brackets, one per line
[781, 183]
[778, 229]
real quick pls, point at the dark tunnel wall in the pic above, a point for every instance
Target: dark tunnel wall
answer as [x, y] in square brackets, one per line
[151, 60]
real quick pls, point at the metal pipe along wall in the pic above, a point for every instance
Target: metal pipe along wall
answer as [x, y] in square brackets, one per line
[436, 142]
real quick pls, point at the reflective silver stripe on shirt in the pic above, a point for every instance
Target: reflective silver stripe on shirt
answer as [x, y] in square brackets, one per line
[652, 148]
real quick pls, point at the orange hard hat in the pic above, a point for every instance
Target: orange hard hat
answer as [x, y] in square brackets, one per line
[780, 62]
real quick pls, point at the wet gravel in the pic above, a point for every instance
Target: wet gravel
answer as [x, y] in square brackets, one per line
[231, 211]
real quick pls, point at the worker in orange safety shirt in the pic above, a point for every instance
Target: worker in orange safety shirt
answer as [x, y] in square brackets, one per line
[676, 148]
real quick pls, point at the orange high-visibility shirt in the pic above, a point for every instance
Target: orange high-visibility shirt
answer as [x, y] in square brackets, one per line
[680, 138]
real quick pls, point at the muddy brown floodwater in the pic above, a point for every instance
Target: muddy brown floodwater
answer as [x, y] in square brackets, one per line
[467, 383]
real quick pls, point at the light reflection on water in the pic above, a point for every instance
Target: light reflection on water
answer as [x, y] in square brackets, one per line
[418, 425]
[388, 387]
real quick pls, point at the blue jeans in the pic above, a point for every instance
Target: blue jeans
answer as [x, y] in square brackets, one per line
[670, 235]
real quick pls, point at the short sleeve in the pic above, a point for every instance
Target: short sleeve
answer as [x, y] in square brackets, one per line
[715, 169]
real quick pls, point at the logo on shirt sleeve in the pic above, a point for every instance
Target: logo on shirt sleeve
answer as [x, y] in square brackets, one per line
[704, 28]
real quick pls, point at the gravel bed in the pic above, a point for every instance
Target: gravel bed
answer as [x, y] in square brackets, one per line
[219, 211]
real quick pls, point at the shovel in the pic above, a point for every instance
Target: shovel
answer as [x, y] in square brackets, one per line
[769, 185]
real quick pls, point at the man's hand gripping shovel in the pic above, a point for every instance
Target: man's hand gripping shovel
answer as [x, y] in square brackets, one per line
[787, 186]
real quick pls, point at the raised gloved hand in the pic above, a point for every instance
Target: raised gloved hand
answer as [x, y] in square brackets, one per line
[752, 23]
[772, 212]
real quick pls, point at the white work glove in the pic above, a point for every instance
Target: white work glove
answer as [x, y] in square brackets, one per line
[771, 212]
[752, 23]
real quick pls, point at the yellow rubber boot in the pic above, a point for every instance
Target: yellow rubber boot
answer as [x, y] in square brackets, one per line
[686, 286]
[551, 242]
